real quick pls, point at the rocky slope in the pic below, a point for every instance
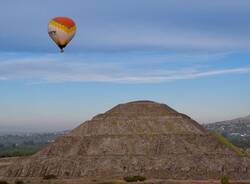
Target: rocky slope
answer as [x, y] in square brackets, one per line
[236, 130]
[136, 138]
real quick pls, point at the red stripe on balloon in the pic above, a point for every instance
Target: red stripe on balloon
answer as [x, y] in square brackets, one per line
[65, 21]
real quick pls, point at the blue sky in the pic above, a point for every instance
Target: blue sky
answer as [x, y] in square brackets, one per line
[193, 55]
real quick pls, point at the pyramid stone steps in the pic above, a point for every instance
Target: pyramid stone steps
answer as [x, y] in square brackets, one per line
[136, 138]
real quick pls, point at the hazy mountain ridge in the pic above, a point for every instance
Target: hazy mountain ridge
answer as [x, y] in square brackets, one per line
[19, 137]
[236, 130]
[26, 130]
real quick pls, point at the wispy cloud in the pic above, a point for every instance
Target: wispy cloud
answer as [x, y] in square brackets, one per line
[3, 78]
[161, 38]
[176, 75]
[109, 69]
[198, 74]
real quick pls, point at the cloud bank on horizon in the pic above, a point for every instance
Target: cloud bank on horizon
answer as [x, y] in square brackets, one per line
[117, 67]
[116, 25]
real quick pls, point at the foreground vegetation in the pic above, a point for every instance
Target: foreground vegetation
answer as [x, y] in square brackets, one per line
[134, 178]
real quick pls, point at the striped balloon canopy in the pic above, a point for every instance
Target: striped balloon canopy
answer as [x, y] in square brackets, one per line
[61, 30]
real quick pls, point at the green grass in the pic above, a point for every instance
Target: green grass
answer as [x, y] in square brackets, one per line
[222, 139]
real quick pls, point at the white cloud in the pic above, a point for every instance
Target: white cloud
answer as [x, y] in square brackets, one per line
[3, 78]
[77, 69]
[178, 75]
[167, 37]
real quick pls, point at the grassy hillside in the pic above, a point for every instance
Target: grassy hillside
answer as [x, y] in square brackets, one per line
[224, 140]
[236, 131]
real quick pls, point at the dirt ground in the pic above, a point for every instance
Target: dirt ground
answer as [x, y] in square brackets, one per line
[7, 161]
[4, 162]
[86, 181]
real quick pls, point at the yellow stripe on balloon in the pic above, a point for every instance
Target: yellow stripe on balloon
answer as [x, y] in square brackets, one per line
[61, 30]
[63, 27]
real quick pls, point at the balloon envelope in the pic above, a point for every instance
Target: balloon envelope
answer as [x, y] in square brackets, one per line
[61, 30]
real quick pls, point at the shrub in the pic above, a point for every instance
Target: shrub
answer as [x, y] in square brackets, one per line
[224, 180]
[134, 178]
[112, 182]
[49, 177]
[3, 182]
[19, 182]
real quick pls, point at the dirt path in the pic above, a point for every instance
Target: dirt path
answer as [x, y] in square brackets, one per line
[88, 181]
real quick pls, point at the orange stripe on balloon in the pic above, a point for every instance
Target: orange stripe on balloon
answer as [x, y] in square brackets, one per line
[62, 27]
[65, 21]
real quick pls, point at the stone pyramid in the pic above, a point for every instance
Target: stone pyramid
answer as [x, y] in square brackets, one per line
[136, 138]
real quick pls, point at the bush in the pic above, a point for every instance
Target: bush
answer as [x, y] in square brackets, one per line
[3, 182]
[134, 178]
[112, 182]
[224, 180]
[19, 182]
[50, 177]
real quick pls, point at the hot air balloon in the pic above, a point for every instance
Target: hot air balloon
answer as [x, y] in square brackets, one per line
[61, 30]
